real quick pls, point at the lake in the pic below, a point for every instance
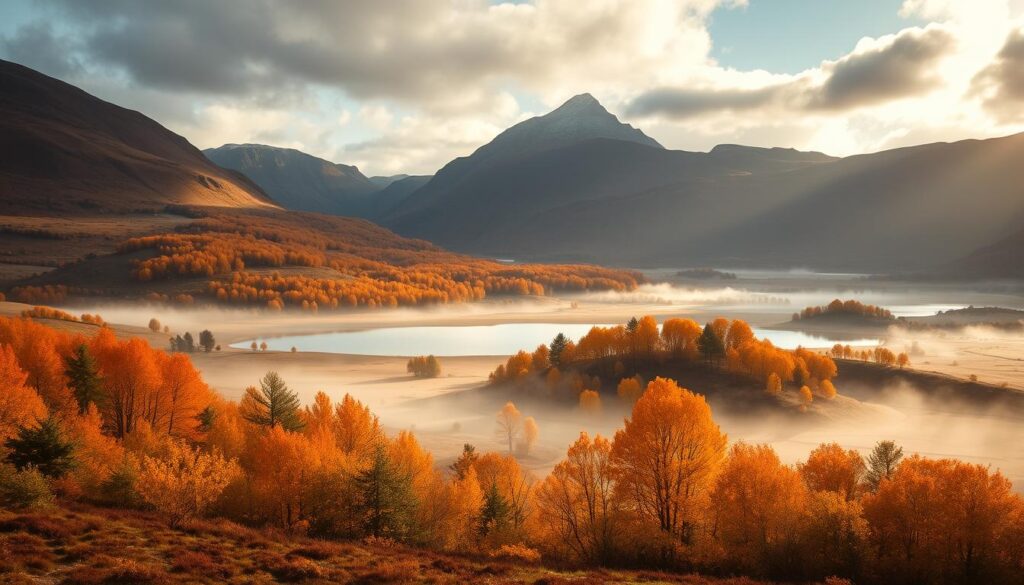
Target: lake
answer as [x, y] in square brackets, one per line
[502, 339]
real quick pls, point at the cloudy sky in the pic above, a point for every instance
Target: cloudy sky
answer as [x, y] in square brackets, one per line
[405, 85]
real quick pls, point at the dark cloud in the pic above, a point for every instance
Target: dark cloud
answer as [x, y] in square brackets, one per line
[900, 69]
[687, 103]
[395, 49]
[1001, 84]
[35, 45]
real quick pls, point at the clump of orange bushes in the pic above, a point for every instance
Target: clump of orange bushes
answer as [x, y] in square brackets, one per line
[40, 312]
[849, 307]
[731, 344]
[354, 264]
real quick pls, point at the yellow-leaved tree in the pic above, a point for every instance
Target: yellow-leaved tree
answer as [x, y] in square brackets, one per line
[665, 459]
[183, 482]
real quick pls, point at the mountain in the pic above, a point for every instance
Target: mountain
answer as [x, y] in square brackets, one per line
[298, 180]
[456, 186]
[383, 181]
[65, 151]
[629, 202]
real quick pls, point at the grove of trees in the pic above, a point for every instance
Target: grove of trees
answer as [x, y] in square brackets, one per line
[668, 491]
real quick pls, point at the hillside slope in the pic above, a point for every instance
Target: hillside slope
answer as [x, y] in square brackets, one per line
[297, 180]
[63, 151]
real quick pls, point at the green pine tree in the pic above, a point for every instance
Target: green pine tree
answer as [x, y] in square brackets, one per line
[84, 377]
[386, 499]
[558, 345]
[495, 513]
[272, 404]
[710, 344]
[42, 447]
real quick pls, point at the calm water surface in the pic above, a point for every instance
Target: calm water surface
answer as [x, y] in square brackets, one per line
[502, 339]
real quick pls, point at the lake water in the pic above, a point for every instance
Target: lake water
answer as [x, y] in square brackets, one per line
[503, 339]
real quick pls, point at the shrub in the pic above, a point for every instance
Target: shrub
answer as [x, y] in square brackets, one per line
[23, 489]
[517, 552]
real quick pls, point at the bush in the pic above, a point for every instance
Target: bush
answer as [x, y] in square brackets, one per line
[424, 367]
[517, 552]
[23, 489]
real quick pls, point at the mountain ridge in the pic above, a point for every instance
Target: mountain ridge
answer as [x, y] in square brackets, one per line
[65, 150]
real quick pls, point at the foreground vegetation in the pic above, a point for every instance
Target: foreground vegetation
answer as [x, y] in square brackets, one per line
[119, 424]
[78, 544]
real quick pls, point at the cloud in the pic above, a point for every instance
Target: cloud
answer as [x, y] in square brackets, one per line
[877, 71]
[1000, 86]
[35, 45]
[681, 103]
[891, 68]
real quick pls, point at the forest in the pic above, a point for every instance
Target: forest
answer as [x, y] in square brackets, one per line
[119, 424]
[314, 262]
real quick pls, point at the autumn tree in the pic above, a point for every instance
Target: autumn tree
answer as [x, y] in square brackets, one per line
[774, 384]
[84, 378]
[509, 421]
[902, 360]
[43, 446]
[834, 469]
[827, 390]
[629, 390]
[942, 521]
[757, 505]
[272, 404]
[206, 340]
[357, 431]
[182, 482]
[154, 325]
[530, 434]
[665, 458]
[590, 402]
[20, 405]
[885, 457]
[806, 396]
[581, 516]
[541, 358]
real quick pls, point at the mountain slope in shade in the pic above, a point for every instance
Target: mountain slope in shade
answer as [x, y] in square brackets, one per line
[626, 202]
[65, 151]
[901, 210]
[485, 201]
[578, 120]
[298, 180]
[1000, 260]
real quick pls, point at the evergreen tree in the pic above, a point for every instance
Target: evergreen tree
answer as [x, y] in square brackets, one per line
[710, 344]
[84, 378]
[461, 465]
[43, 447]
[386, 499]
[632, 325]
[495, 513]
[882, 463]
[272, 404]
[206, 418]
[206, 340]
[556, 348]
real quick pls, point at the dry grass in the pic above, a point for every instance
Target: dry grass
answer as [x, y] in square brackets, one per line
[78, 545]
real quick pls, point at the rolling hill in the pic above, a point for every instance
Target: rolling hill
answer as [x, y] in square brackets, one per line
[298, 180]
[63, 151]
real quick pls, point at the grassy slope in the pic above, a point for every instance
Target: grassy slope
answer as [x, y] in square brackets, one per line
[82, 545]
